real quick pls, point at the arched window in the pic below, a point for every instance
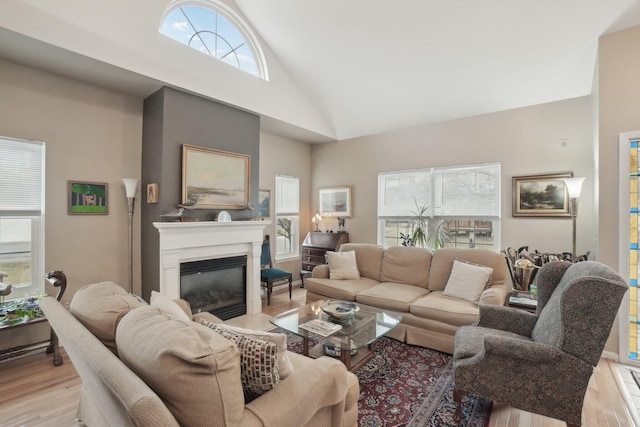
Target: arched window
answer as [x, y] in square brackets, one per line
[217, 32]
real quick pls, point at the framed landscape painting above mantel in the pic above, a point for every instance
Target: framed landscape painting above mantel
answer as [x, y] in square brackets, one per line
[214, 179]
[541, 195]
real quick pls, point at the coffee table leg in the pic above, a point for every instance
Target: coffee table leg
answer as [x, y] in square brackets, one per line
[345, 357]
[305, 346]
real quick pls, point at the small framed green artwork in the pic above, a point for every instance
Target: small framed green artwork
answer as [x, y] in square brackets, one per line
[88, 198]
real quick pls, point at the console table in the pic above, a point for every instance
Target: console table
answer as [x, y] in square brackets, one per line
[316, 244]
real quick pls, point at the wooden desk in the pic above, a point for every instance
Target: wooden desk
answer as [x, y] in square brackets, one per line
[316, 244]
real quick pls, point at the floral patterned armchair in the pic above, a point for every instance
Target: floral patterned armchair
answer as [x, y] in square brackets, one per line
[541, 362]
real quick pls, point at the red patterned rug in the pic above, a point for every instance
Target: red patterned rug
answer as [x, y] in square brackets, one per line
[406, 385]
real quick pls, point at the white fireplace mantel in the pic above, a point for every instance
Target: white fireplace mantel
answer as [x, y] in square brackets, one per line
[194, 241]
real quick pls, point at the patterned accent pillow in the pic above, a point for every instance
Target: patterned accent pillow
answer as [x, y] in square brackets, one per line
[258, 370]
[467, 281]
[284, 365]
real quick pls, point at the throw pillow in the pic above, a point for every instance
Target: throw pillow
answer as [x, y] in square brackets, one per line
[258, 369]
[285, 367]
[467, 281]
[168, 306]
[342, 265]
[195, 371]
[100, 307]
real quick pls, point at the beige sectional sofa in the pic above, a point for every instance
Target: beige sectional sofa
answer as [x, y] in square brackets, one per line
[153, 365]
[413, 282]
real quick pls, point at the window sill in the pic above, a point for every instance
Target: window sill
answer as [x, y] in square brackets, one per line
[288, 258]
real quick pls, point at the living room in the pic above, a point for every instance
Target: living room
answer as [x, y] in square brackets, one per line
[95, 133]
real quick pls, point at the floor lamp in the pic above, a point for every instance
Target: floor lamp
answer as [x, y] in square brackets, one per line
[130, 186]
[574, 185]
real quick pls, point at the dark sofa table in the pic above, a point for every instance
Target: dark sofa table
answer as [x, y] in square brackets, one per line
[354, 343]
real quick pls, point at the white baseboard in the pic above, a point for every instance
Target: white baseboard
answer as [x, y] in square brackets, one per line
[611, 355]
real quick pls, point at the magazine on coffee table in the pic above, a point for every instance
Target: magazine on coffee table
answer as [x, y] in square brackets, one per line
[321, 327]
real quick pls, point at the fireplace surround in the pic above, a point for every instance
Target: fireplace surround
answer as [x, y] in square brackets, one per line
[185, 242]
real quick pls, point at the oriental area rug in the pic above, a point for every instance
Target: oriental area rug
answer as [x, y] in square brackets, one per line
[406, 385]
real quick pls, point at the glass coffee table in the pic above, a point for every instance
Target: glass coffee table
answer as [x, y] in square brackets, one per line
[354, 342]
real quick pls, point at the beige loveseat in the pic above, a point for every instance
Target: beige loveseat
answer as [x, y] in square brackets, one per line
[181, 372]
[411, 282]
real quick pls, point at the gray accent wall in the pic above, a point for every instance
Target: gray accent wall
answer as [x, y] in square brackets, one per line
[173, 118]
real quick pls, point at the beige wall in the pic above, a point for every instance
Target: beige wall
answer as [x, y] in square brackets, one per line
[91, 135]
[619, 111]
[284, 156]
[525, 141]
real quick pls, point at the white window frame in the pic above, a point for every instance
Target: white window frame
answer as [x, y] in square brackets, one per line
[236, 20]
[36, 215]
[427, 191]
[287, 207]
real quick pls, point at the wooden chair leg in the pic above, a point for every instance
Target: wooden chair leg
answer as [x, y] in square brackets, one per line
[290, 285]
[269, 289]
[457, 400]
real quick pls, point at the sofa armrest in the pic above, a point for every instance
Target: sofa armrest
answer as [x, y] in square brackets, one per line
[320, 272]
[298, 398]
[507, 319]
[494, 295]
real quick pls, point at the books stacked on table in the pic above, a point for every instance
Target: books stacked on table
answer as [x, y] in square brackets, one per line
[320, 327]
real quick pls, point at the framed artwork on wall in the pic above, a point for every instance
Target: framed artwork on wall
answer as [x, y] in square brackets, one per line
[214, 179]
[264, 203]
[541, 195]
[152, 192]
[87, 198]
[335, 201]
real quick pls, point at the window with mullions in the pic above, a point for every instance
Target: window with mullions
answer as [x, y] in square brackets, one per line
[440, 207]
[216, 33]
[21, 216]
[287, 217]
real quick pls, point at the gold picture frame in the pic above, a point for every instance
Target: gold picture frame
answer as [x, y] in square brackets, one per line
[541, 195]
[215, 179]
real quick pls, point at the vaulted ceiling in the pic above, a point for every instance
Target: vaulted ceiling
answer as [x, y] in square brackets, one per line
[369, 66]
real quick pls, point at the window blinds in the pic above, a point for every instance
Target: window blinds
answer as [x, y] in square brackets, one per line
[21, 177]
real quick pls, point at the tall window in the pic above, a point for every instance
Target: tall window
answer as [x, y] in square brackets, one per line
[22, 216]
[217, 32]
[287, 217]
[440, 207]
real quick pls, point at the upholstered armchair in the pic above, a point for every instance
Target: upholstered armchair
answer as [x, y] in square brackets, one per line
[541, 362]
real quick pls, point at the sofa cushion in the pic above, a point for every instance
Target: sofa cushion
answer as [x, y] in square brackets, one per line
[258, 362]
[442, 263]
[391, 296]
[368, 258]
[339, 289]
[404, 264]
[285, 368]
[342, 265]
[467, 281]
[100, 307]
[194, 370]
[168, 306]
[441, 308]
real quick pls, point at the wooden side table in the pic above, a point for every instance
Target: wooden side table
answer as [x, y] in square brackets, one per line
[522, 301]
[59, 280]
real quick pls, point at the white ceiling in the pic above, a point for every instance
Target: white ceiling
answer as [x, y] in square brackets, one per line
[374, 66]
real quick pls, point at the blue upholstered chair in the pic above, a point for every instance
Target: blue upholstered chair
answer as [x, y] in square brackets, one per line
[541, 362]
[270, 275]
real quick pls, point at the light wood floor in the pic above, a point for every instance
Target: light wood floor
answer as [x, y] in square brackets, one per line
[34, 393]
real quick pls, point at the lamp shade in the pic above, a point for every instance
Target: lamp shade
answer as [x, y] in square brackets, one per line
[574, 185]
[317, 217]
[130, 186]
